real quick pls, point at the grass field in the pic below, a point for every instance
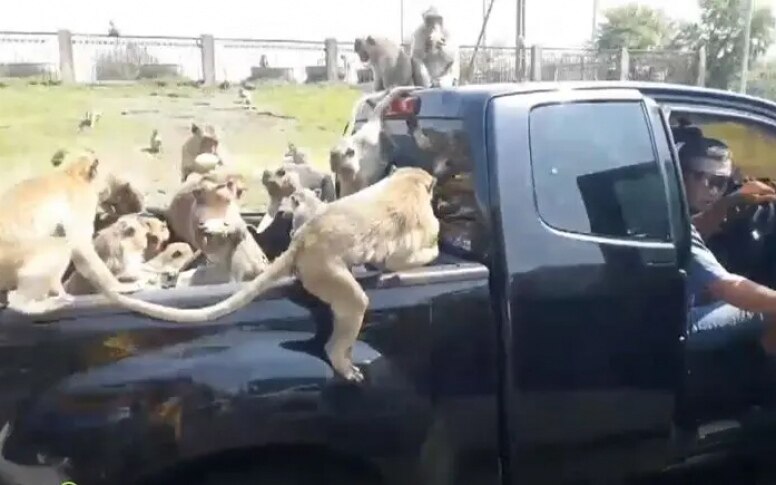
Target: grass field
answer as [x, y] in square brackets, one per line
[37, 120]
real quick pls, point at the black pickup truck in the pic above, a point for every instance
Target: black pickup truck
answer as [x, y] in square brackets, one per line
[547, 344]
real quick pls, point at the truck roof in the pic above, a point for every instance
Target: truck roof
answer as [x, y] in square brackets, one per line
[449, 102]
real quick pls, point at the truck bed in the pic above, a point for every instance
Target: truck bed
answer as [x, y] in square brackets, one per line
[447, 268]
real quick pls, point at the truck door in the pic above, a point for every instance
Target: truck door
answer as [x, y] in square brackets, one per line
[594, 229]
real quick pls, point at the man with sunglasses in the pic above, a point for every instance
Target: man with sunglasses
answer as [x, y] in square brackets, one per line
[723, 305]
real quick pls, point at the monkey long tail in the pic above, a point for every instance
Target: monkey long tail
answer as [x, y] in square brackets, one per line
[280, 267]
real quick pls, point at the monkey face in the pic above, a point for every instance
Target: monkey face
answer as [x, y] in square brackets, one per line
[172, 258]
[133, 240]
[281, 182]
[343, 160]
[360, 48]
[158, 234]
[119, 197]
[215, 194]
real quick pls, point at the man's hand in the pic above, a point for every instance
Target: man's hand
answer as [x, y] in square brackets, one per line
[753, 192]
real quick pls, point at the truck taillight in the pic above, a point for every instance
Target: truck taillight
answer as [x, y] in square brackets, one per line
[404, 106]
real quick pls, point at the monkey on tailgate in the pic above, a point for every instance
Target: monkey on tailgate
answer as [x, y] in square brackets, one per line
[169, 262]
[205, 205]
[391, 66]
[231, 257]
[118, 198]
[360, 159]
[281, 182]
[434, 49]
[390, 224]
[203, 140]
[158, 235]
[121, 247]
[47, 220]
[305, 204]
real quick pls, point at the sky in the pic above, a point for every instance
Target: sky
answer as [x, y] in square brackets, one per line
[552, 23]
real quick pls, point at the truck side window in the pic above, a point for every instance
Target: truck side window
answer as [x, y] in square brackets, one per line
[595, 171]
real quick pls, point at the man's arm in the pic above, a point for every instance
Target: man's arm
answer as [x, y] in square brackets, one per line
[709, 221]
[744, 294]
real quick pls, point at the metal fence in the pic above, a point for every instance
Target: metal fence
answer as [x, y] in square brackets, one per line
[92, 58]
[32, 54]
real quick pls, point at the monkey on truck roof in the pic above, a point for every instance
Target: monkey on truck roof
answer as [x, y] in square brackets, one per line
[391, 66]
[435, 50]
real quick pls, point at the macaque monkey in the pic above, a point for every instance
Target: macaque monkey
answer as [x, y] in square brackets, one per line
[391, 66]
[389, 224]
[435, 51]
[284, 180]
[118, 197]
[158, 235]
[169, 263]
[305, 204]
[231, 257]
[155, 143]
[89, 120]
[203, 140]
[49, 219]
[295, 155]
[360, 159]
[121, 247]
[204, 206]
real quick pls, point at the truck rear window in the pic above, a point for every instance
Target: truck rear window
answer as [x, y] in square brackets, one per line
[461, 221]
[595, 170]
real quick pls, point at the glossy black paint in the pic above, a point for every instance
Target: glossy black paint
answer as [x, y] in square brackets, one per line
[120, 396]
[544, 359]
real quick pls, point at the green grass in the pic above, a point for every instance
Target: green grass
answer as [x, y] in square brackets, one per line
[37, 120]
[320, 112]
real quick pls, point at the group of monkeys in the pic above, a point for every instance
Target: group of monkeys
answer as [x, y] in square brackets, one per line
[433, 59]
[80, 228]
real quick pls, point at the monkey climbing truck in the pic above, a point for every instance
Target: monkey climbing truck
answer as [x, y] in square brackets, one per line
[547, 344]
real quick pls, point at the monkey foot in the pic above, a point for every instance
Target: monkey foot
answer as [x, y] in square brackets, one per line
[36, 307]
[352, 374]
[128, 287]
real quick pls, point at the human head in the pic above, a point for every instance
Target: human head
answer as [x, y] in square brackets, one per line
[707, 169]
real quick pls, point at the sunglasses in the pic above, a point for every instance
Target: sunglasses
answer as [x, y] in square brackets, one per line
[718, 182]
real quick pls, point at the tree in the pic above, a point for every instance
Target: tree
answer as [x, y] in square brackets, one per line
[633, 26]
[721, 30]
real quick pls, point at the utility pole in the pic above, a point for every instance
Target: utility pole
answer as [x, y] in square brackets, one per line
[484, 11]
[747, 37]
[595, 21]
[401, 21]
[520, 40]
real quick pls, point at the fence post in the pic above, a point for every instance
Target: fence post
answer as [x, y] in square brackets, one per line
[66, 66]
[519, 59]
[701, 62]
[331, 48]
[624, 63]
[536, 63]
[208, 47]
